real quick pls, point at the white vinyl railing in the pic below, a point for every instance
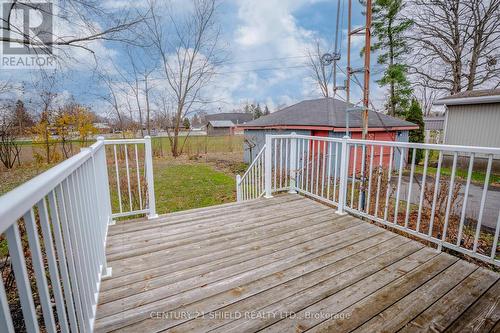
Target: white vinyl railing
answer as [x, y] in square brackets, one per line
[131, 177]
[55, 226]
[251, 184]
[414, 188]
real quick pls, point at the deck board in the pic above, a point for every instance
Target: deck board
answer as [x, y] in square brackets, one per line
[270, 257]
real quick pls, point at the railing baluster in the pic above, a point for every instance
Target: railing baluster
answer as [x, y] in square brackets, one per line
[353, 179]
[400, 176]
[483, 201]
[38, 267]
[379, 179]
[302, 159]
[52, 263]
[6, 324]
[317, 166]
[128, 178]
[465, 200]
[66, 261]
[77, 229]
[287, 165]
[138, 176]
[335, 171]
[329, 170]
[389, 175]
[307, 165]
[410, 185]
[370, 172]
[313, 165]
[72, 241]
[21, 276]
[362, 177]
[436, 190]
[118, 180]
[422, 190]
[448, 204]
[275, 166]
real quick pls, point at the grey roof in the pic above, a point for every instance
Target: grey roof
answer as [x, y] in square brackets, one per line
[474, 93]
[471, 97]
[325, 112]
[236, 118]
[221, 123]
[434, 123]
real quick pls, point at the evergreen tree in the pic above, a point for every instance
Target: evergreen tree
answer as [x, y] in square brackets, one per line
[186, 123]
[257, 112]
[416, 116]
[266, 111]
[389, 28]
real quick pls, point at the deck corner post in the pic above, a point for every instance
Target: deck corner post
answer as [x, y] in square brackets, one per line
[293, 163]
[344, 165]
[238, 188]
[268, 167]
[150, 178]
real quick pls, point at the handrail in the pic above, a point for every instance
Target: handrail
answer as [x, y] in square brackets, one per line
[251, 184]
[67, 209]
[15, 203]
[369, 178]
[254, 162]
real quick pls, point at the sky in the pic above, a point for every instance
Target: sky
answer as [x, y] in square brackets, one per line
[266, 42]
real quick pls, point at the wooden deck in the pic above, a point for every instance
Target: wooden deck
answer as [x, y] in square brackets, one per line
[286, 264]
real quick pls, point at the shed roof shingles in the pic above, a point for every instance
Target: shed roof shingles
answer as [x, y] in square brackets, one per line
[474, 93]
[325, 112]
[221, 123]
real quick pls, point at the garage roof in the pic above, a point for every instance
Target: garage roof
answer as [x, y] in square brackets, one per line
[471, 97]
[325, 112]
[221, 123]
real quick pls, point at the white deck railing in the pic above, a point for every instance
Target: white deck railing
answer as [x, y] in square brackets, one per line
[382, 181]
[56, 226]
[251, 184]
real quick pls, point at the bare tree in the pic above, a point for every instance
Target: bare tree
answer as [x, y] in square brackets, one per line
[140, 85]
[189, 52]
[111, 97]
[9, 147]
[455, 44]
[93, 23]
[426, 98]
[322, 75]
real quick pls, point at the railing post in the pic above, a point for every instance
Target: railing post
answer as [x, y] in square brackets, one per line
[293, 164]
[238, 188]
[106, 272]
[268, 167]
[150, 178]
[344, 166]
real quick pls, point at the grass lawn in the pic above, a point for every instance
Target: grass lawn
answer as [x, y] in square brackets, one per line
[477, 176]
[183, 185]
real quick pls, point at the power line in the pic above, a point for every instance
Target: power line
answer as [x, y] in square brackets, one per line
[263, 69]
[264, 60]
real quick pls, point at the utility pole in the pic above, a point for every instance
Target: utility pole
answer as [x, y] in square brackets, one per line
[366, 89]
[349, 33]
[366, 30]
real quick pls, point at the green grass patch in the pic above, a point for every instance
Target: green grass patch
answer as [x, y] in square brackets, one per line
[477, 176]
[186, 186]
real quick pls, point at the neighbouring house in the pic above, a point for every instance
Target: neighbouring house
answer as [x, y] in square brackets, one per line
[434, 129]
[472, 118]
[103, 128]
[226, 123]
[324, 117]
[220, 127]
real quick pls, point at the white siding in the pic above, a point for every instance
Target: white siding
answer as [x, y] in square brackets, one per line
[473, 125]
